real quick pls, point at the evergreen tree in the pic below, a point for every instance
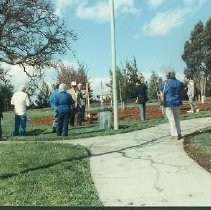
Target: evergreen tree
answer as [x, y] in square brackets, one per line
[153, 86]
[42, 100]
[207, 51]
[197, 56]
[193, 52]
[132, 75]
[6, 89]
[126, 78]
[6, 92]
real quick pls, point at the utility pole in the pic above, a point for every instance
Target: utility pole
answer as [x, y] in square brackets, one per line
[101, 86]
[113, 49]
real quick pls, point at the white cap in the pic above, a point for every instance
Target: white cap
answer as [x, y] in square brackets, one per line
[62, 87]
[73, 83]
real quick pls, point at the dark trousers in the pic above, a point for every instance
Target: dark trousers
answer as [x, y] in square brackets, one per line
[20, 125]
[55, 120]
[81, 118]
[62, 126]
[142, 110]
[72, 116]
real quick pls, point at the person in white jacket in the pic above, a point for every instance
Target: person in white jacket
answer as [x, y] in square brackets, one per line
[191, 95]
[20, 101]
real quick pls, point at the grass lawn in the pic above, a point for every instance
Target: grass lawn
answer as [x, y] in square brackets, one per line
[43, 132]
[202, 140]
[54, 174]
[198, 147]
[45, 174]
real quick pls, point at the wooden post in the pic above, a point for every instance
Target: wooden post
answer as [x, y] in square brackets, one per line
[101, 86]
[88, 100]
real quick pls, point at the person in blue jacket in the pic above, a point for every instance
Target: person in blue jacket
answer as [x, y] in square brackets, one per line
[52, 99]
[171, 89]
[64, 103]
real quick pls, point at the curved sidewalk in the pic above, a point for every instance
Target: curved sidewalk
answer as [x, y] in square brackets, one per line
[147, 168]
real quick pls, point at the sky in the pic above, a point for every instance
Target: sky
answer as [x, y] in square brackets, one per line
[152, 31]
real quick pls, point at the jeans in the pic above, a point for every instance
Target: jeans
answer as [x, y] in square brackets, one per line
[62, 126]
[55, 120]
[81, 117]
[142, 109]
[192, 103]
[173, 114]
[20, 125]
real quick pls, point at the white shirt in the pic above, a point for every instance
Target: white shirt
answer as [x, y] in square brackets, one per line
[191, 89]
[20, 100]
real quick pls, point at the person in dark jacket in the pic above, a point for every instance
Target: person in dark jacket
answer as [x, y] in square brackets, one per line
[64, 103]
[171, 88]
[141, 98]
[52, 99]
[1, 116]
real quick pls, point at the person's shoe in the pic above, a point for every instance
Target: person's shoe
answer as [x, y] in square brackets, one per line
[3, 138]
[197, 110]
[179, 137]
[190, 111]
[54, 130]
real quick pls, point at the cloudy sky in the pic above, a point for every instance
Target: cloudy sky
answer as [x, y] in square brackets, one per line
[154, 31]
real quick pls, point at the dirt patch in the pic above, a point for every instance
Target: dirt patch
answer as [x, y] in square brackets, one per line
[198, 156]
[44, 120]
[152, 112]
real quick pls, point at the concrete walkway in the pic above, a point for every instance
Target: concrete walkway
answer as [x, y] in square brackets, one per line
[147, 168]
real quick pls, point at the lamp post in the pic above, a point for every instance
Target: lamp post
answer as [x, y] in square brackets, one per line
[113, 50]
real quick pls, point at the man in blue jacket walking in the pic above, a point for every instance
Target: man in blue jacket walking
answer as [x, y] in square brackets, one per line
[171, 89]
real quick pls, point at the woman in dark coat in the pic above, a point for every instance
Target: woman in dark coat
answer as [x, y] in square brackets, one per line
[141, 98]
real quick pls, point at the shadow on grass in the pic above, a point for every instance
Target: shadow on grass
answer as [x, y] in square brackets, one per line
[10, 175]
[188, 137]
[35, 132]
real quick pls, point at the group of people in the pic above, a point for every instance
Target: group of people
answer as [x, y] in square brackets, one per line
[170, 95]
[68, 107]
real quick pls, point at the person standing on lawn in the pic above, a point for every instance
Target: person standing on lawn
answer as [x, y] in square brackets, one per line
[20, 101]
[82, 105]
[52, 99]
[64, 104]
[171, 89]
[141, 98]
[191, 95]
[73, 91]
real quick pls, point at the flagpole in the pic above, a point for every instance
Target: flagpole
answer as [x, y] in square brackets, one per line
[113, 49]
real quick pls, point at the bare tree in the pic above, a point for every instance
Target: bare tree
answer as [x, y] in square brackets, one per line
[31, 33]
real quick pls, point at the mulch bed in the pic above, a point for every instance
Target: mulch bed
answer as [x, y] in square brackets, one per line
[202, 159]
[152, 112]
